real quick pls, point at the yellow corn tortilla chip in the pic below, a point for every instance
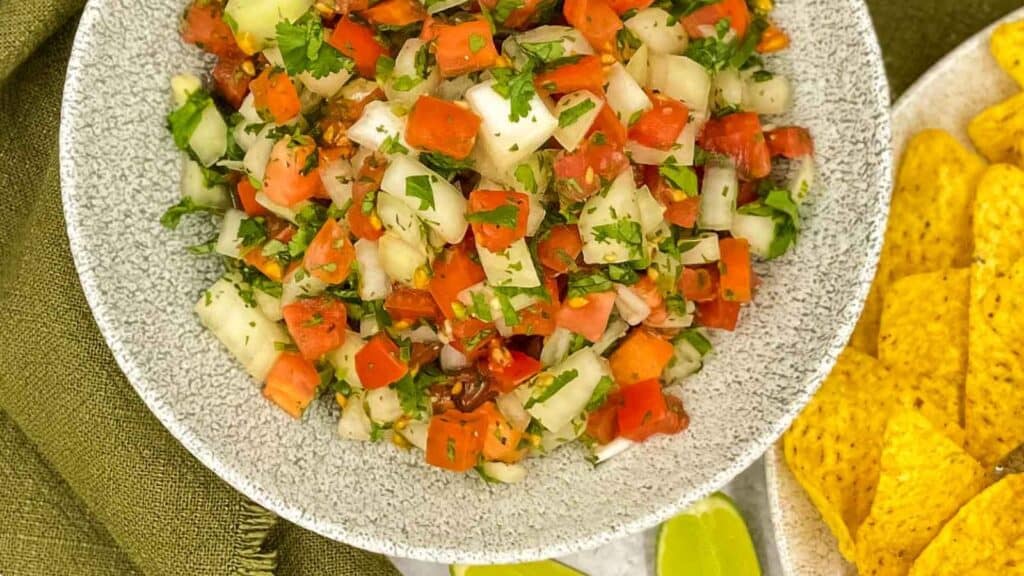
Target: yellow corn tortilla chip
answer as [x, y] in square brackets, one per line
[994, 392]
[924, 324]
[924, 479]
[984, 529]
[929, 220]
[1009, 562]
[1008, 47]
[997, 129]
[833, 447]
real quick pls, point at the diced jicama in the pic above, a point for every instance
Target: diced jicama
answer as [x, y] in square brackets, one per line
[652, 212]
[415, 431]
[383, 405]
[396, 216]
[638, 65]
[269, 305]
[512, 267]
[244, 136]
[436, 201]
[227, 241]
[209, 140]
[343, 358]
[337, 178]
[508, 141]
[625, 96]
[354, 423]
[245, 332]
[258, 154]
[560, 394]
[681, 78]
[373, 281]
[254, 22]
[728, 90]
[700, 250]
[377, 125]
[681, 153]
[630, 306]
[301, 284]
[576, 113]
[182, 85]
[659, 31]
[399, 259]
[405, 85]
[504, 473]
[542, 41]
[718, 196]
[758, 230]
[194, 186]
[610, 224]
[289, 213]
[766, 95]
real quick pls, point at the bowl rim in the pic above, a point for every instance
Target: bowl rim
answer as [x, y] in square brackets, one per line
[199, 448]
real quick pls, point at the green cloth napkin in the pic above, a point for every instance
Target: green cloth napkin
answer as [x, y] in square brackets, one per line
[90, 482]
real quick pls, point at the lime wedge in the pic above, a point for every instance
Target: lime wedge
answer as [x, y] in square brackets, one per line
[709, 539]
[545, 568]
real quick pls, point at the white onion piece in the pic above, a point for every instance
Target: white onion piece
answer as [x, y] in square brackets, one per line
[377, 124]
[508, 142]
[247, 110]
[511, 407]
[556, 347]
[617, 328]
[617, 204]
[651, 27]
[681, 153]
[397, 217]
[343, 358]
[681, 78]
[359, 89]
[354, 424]
[182, 86]
[269, 305]
[631, 307]
[258, 154]
[373, 281]
[700, 250]
[337, 178]
[368, 327]
[422, 334]
[573, 42]
[453, 89]
[289, 213]
[625, 96]
[399, 259]
[446, 213]
[504, 473]
[718, 196]
[512, 267]
[638, 65]
[728, 89]
[606, 452]
[452, 360]
[416, 432]
[676, 321]
[686, 360]
[769, 97]
[757, 230]
[301, 284]
[652, 212]
[405, 66]
[193, 185]
[227, 241]
[383, 405]
[572, 131]
[209, 139]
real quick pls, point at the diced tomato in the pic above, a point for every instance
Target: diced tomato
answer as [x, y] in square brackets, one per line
[280, 229]
[230, 81]
[589, 320]
[291, 383]
[660, 187]
[498, 217]
[270, 267]
[368, 180]
[684, 213]
[539, 319]
[455, 440]
[643, 408]
[660, 126]
[291, 175]
[718, 313]
[424, 353]
[378, 362]
[274, 96]
[578, 174]
[608, 124]
[583, 74]
[701, 22]
[647, 289]
[603, 423]
[699, 284]
[518, 18]
[464, 48]
[790, 142]
[204, 26]
[395, 13]
[330, 255]
[740, 137]
[596, 20]
[508, 377]
[623, 6]
[735, 275]
[442, 126]
[247, 198]
[358, 43]
[410, 305]
[316, 324]
[471, 336]
[748, 193]
[641, 356]
[774, 39]
[501, 441]
[560, 247]
[454, 271]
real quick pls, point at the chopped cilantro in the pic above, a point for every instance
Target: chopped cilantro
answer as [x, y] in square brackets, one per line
[385, 67]
[303, 48]
[419, 187]
[504, 8]
[405, 83]
[516, 87]
[544, 394]
[445, 165]
[570, 115]
[524, 175]
[506, 216]
[622, 231]
[583, 283]
[600, 394]
[545, 52]
[476, 43]
[682, 178]
[393, 145]
[172, 217]
[183, 121]
[508, 312]
[697, 340]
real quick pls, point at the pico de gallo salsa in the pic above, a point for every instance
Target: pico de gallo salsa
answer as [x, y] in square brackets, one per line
[486, 228]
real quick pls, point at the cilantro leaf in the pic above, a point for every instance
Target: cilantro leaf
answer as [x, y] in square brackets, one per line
[546, 52]
[172, 217]
[517, 88]
[252, 231]
[777, 204]
[393, 145]
[682, 178]
[623, 231]
[506, 216]
[570, 115]
[303, 48]
[183, 121]
[419, 187]
[524, 175]
[583, 283]
[476, 43]
[696, 339]
[600, 394]
[445, 165]
[504, 8]
[413, 392]
[553, 388]
[508, 312]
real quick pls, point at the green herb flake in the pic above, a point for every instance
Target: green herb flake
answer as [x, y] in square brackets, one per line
[600, 394]
[419, 187]
[303, 48]
[172, 217]
[476, 43]
[183, 121]
[682, 178]
[570, 115]
[505, 216]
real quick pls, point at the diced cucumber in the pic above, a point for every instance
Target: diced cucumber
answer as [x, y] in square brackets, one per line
[508, 142]
[511, 268]
[558, 410]
[608, 222]
[436, 201]
[243, 330]
[396, 216]
[209, 140]
[399, 259]
[373, 281]
[652, 27]
[573, 124]
[504, 473]
[227, 241]
[343, 358]
[718, 196]
[681, 78]
[405, 85]
[254, 22]
[354, 423]
[758, 230]
[383, 405]
[624, 95]
[379, 124]
[193, 185]
[182, 85]
[702, 249]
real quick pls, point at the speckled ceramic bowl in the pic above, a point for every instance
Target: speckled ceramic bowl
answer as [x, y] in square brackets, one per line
[966, 82]
[119, 171]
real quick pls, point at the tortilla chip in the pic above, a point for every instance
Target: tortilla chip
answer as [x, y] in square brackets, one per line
[924, 479]
[996, 130]
[924, 324]
[1008, 48]
[994, 394]
[929, 221]
[833, 447]
[982, 530]
[1009, 562]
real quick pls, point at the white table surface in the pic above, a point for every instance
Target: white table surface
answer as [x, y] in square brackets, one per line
[634, 556]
